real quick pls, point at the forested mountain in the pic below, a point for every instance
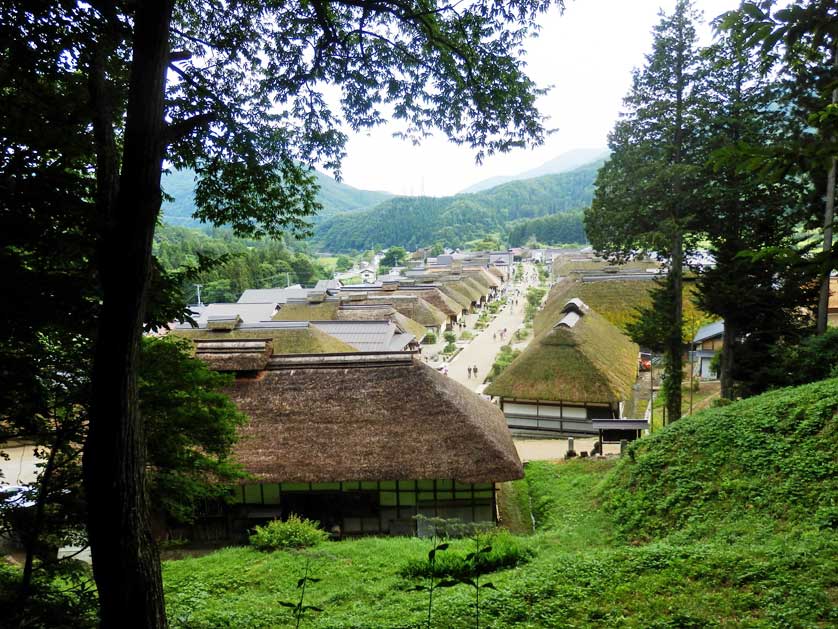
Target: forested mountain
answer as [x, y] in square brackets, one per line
[570, 160]
[566, 227]
[414, 222]
[334, 196]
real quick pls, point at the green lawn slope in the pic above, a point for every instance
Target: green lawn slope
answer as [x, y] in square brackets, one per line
[724, 519]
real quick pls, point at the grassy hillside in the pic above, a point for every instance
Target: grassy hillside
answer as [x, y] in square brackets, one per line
[770, 461]
[334, 196]
[724, 519]
[419, 221]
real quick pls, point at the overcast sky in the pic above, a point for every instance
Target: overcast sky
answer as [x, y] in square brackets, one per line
[587, 53]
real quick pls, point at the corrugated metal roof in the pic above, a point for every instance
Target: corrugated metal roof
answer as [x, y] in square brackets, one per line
[367, 336]
[249, 313]
[709, 331]
[272, 295]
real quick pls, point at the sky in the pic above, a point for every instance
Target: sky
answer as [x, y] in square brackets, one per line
[587, 54]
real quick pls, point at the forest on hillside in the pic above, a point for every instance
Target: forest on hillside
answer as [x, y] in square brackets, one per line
[414, 222]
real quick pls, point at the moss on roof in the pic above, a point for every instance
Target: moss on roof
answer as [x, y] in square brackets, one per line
[589, 362]
[615, 300]
[294, 341]
[324, 311]
[456, 295]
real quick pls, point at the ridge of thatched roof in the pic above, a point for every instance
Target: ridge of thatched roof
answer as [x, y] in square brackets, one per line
[457, 294]
[307, 311]
[582, 358]
[437, 298]
[296, 338]
[235, 355]
[380, 417]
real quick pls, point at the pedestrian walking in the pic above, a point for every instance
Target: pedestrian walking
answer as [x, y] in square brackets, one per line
[469, 372]
[494, 336]
[474, 369]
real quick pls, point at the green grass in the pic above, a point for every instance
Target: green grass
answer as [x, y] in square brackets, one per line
[724, 519]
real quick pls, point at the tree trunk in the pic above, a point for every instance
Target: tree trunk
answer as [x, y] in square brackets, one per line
[675, 344]
[727, 361]
[126, 563]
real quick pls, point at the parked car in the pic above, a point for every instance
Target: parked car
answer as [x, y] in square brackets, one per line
[644, 361]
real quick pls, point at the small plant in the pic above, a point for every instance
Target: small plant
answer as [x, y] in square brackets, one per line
[433, 584]
[481, 550]
[450, 337]
[521, 334]
[293, 533]
[466, 336]
[449, 349]
[300, 608]
[430, 338]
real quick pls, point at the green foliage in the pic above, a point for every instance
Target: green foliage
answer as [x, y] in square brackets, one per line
[449, 336]
[772, 458]
[507, 551]
[521, 334]
[430, 338]
[449, 348]
[394, 256]
[534, 296]
[415, 222]
[556, 229]
[504, 358]
[60, 599]
[190, 426]
[343, 263]
[293, 533]
[466, 336]
[242, 263]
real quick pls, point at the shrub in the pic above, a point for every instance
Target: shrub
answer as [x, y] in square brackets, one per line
[430, 338]
[295, 532]
[450, 337]
[466, 336]
[521, 334]
[507, 551]
[449, 349]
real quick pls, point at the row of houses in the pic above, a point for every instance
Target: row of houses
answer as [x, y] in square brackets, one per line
[346, 424]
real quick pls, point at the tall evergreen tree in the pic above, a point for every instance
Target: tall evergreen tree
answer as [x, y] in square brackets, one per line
[759, 284]
[644, 198]
[798, 42]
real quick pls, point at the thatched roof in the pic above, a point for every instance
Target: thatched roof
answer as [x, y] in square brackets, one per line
[436, 298]
[582, 358]
[286, 338]
[494, 270]
[484, 277]
[368, 417]
[456, 293]
[234, 355]
[480, 288]
[307, 311]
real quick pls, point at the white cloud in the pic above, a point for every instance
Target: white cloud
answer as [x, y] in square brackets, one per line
[587, 54]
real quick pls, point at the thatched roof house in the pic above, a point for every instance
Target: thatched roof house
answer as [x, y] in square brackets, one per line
[361, 442]
[582, 368]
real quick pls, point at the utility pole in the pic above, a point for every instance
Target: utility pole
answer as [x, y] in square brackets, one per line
[829, 214]
[198, 287]
[287, 279]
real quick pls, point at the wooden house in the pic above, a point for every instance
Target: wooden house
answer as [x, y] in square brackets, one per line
[706, 344]
[360, 442]
[581, 369]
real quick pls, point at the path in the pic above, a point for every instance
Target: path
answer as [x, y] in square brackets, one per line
[483, 348]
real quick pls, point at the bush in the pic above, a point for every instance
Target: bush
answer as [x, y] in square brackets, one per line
[507, 551]
[466, 336]
[430, 338]
[450, 337]
[521, 334]
[449, 349]
[295, 532]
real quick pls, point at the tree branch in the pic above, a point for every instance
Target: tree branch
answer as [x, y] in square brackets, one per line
[180, 129]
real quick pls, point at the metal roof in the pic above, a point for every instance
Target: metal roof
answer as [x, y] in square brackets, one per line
[367, 336]
[709, 331]
[249, 313]
[272, 295]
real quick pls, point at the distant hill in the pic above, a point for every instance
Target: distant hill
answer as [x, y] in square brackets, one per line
[334, 196]
[563, 163]
[420, 221]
